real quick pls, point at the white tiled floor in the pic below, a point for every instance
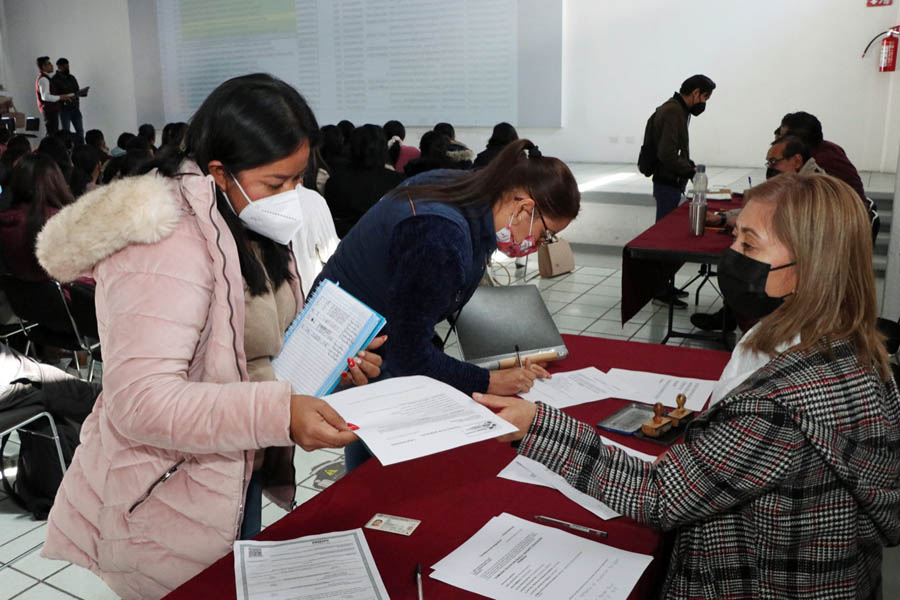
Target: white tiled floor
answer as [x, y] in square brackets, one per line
[585, 302]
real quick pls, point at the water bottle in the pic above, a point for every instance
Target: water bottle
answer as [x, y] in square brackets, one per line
[698, 204]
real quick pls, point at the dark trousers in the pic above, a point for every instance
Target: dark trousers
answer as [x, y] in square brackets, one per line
[252, 523]
[51, 121]
[72, 114]
[667, 197]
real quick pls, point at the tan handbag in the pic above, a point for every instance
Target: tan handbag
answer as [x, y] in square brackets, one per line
[555, 258]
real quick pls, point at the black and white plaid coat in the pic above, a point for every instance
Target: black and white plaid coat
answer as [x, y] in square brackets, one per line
[787, 488]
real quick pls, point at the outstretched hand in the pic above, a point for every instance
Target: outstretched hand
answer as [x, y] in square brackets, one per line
[514, 410]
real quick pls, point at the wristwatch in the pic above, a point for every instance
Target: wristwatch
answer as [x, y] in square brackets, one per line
[724, 218]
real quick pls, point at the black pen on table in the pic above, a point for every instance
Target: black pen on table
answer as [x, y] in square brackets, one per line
[419, 580]
[749, 181]
[518, 357]
[572, 526]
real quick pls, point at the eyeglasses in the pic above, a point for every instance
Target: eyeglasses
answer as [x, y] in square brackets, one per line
[548, 236]
[771, 162]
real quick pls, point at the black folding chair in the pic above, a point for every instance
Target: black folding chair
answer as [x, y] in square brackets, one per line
[45, 304]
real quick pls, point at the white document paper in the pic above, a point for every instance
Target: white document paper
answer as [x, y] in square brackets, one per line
[526, 470]
[573, 387]
[409, 417]
[651, 388]
[314, 567]
[629, 451]
[514, 559]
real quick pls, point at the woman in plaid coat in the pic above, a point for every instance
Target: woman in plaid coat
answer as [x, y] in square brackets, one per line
[790, 485]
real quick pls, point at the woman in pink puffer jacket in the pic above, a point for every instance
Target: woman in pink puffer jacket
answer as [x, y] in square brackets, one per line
[157, 488]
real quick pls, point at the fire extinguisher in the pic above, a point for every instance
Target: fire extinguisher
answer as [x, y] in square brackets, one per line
[888, 59]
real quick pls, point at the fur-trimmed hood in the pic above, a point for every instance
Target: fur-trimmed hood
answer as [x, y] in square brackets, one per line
[134, 210]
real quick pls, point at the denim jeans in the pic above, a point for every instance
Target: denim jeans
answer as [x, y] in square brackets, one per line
[252, 523]
[72, 114]
[667, 198]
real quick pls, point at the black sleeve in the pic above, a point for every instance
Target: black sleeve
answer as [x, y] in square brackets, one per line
[667, 127]
[428, 270]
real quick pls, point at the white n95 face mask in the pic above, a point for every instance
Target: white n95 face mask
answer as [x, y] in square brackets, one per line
[276, 217]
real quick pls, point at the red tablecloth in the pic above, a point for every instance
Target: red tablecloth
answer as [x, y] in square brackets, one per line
[455, 493]
[650, 259]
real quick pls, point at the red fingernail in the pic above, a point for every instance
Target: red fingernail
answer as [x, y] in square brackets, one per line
[351, 362]
[344, 375]
[352, 427]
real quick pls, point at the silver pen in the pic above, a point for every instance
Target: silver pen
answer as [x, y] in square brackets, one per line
[419, 580]
[572, 526]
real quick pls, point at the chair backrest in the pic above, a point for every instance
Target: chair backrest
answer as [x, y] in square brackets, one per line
[38, 302]
[84, 312]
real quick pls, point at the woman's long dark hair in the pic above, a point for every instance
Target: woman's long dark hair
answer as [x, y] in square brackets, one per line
[38, 184]
[85, 160]
[245, 123]
[368, 147]
[519, 165]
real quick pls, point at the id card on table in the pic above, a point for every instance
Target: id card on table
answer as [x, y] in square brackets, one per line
[392, 524]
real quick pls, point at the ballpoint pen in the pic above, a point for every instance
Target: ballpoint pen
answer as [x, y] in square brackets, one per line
[419, 580]
[572, 526]
[518, 357]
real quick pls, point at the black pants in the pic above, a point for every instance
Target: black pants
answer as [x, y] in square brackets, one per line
[51, 121]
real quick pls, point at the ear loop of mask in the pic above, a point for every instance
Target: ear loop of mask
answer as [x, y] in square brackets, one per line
[228, 200]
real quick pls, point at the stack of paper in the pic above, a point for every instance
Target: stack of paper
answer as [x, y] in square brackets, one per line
[330, 565]
[572, 388]
[512, 558]
[650, 388]
[408, 417]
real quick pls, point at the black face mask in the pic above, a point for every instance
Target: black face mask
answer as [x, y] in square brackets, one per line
[698, 109]
[743, 284]
[770, 173]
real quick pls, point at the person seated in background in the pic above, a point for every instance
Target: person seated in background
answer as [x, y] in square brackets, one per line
[787, 154]
[333, 153]
[457, 151]
[18, 146]
[55, 148]
[419, 254]
[503, 134]
[354, 189]
[398, 153]
[37, 191]
[121, 144]
[172, 134]
[138, 154]
[94, 137]
[148, 132]
[787, 485]
[346, 128]
[87, 165]
[435, 149]
[828, 155]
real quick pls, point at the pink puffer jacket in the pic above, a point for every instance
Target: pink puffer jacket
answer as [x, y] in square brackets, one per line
[156, 489]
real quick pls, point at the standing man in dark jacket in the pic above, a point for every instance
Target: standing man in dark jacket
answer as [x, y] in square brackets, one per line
[674, 167]
[69, 110]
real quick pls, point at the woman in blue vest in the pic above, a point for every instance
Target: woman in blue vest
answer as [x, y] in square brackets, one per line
[417, 256]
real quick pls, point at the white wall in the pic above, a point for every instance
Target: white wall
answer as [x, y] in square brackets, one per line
[620, 60]
[94, 35]
[769, 57]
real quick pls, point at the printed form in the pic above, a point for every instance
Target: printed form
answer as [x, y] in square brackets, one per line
[404, 418]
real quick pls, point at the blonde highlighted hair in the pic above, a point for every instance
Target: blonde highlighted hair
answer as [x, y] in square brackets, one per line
[824, 226]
